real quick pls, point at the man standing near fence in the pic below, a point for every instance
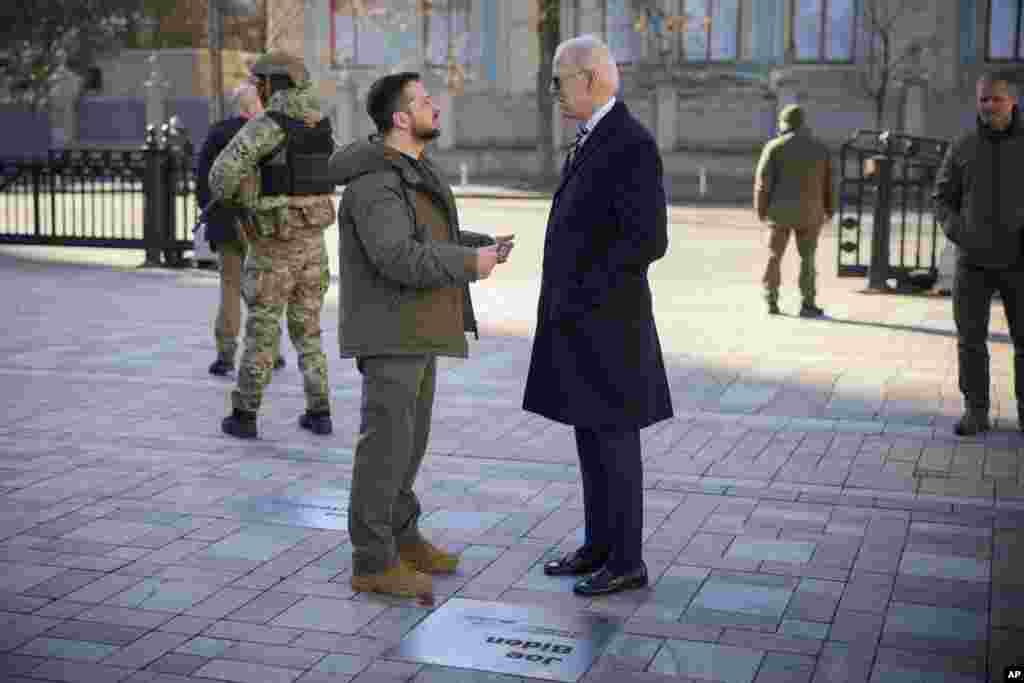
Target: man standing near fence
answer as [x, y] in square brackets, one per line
[224, 236]
[793, 195]
[981, 207]
[287, 148]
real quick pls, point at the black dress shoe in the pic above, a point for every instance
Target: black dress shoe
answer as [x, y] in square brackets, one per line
[318, 423]
[604, 582]
[575, 563]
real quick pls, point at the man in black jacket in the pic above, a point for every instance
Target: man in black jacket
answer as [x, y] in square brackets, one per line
[223, 235]
[981, 207]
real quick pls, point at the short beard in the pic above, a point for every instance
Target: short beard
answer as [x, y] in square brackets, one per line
[426, 135]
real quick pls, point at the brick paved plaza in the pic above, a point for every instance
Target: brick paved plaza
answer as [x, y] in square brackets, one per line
[809, 516]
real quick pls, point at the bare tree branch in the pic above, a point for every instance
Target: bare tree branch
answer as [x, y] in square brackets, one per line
[42, 40]
[283, 21]
[881, 63]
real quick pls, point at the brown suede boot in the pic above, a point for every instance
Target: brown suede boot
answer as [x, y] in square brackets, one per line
[401, 580]
[426, 557]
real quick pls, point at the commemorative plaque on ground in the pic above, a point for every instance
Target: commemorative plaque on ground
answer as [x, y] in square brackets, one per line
[319, 512]
[523, 640]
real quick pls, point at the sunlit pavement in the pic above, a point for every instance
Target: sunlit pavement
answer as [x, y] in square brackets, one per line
[809, 515]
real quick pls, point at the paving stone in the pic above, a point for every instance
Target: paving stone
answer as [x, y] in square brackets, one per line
[942, 592]
[704, 660]
[245, 672]
[844, 663]
[861, 628]
[255, 633]
[945, 566]
[67, 671]
[177, 664]
[812, 607]
[867, 592]
[779, 667]
[146, 649]
[96, 632]
[61, 648]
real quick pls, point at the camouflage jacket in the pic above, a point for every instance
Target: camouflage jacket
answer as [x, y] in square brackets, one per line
[234, 177]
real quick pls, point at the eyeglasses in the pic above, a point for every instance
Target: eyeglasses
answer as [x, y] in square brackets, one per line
[556, 81]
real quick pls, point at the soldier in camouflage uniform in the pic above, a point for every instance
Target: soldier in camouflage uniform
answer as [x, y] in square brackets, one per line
[287, 259]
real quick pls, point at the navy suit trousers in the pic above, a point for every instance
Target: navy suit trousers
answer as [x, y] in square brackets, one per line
[612, 474]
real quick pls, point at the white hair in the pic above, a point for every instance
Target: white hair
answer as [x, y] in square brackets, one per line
[587, 52]
[584, 51]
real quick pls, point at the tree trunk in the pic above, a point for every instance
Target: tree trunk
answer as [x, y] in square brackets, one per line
[547, 36]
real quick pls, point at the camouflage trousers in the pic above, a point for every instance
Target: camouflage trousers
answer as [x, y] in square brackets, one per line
[278, 273]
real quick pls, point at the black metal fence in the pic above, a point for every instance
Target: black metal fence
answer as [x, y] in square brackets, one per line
[887, 228]
[135, 199]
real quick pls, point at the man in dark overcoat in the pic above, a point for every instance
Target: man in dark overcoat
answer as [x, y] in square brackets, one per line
[596, 362]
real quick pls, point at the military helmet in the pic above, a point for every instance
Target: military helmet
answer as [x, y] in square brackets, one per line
[279, 63]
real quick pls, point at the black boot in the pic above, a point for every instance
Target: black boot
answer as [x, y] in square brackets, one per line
[974, 420]
[809, 310]
[318, 423]
[221, 366]
[241, 424]
[773, 308]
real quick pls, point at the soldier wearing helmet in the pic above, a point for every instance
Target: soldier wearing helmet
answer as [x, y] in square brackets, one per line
[274, 167]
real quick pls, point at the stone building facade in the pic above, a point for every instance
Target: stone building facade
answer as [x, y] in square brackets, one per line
[709, 86]
[707, 76]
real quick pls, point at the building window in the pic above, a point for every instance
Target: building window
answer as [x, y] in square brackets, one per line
[824, 30]
[1004, 31]
[698, 30]
[376, 32]
[710, 30]
[620, 27]
[450, 36]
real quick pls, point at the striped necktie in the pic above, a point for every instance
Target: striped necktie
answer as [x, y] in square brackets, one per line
[581, 133]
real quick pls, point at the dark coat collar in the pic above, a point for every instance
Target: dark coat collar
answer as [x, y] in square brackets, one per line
[602, 131]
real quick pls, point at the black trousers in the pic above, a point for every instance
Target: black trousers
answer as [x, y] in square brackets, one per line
[972, 306]
[612, 474]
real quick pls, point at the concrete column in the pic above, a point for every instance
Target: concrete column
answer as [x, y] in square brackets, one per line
[446, 101]
[914, 109]
[345, 109]
[156, 87]
[64, 111]
[317, 46]
[590, 18]
[666, 117]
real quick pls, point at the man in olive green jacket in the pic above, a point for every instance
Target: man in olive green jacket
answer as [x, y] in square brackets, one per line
[405, 273]
[793, 194]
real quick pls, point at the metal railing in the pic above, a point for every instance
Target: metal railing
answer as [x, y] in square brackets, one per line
[134, 199]
[885, 188]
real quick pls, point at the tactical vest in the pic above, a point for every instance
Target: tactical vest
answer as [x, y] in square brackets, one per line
[299, 166]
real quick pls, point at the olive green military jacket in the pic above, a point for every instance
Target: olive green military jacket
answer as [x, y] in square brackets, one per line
[793, 181]
[405, 266]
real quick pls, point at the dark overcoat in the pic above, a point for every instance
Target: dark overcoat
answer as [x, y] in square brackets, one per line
[596, 358]
[220, 223]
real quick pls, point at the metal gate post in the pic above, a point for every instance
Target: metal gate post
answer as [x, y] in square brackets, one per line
[154, 197]
[878, 270]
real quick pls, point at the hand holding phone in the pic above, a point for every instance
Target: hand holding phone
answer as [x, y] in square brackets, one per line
[504, 244]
